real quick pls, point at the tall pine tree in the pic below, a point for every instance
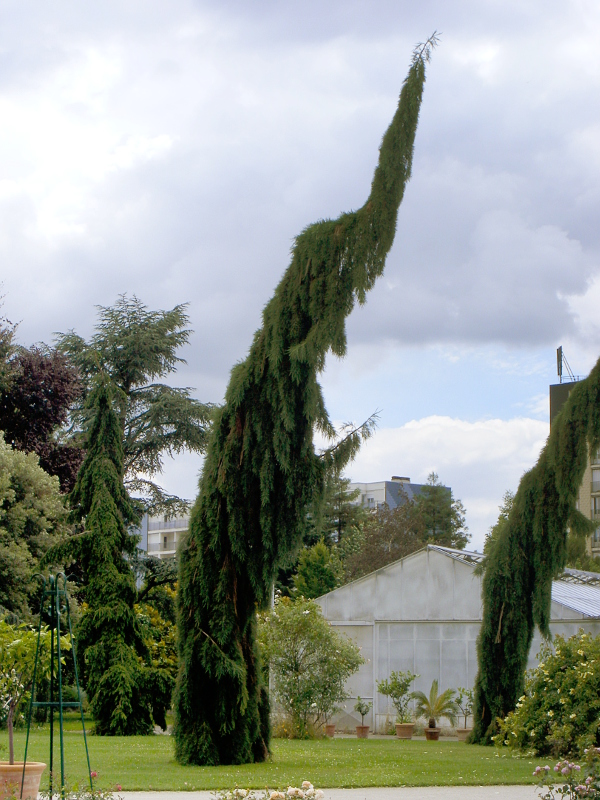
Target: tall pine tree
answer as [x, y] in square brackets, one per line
[527, 548]
[261, 469]
[127, 695]
[136, 347]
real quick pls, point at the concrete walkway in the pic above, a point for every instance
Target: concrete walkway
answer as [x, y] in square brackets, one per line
[391, 793]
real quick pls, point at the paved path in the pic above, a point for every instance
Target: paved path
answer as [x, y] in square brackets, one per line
[391, 793]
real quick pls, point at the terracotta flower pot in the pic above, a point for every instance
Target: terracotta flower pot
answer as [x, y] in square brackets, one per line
[404, 730]
[463, 733]
[330, 729]
[432, 734]
[11, 775]
[362, 731]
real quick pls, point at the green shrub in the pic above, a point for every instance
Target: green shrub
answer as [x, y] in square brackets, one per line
[397, 688]
[309, 661]
[560, 710]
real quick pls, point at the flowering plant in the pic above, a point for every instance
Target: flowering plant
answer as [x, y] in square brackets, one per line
[75, 792]
[306, 792]
[575, 781]
[558, 711]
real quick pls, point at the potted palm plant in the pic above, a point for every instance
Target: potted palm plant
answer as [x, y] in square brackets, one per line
[434, 707]
[396, 688]
[17, 660]
[464, 703]
[363, 708]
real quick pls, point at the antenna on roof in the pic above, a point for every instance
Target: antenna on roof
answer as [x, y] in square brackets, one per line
[561, 361]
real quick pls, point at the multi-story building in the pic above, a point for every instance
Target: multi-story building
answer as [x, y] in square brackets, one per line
[391, 493]
[163, 535]
[589, 491]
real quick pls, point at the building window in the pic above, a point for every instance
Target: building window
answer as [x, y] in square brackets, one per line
[165, 542]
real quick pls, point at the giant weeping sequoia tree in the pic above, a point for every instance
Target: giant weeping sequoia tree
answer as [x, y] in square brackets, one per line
[261, 468]
[527, 550]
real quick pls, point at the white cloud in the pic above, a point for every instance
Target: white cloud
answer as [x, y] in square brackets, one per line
[479, 460]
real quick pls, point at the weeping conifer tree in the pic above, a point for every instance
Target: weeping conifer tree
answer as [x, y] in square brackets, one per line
[527, 550]
[127, 695]
[261, 470]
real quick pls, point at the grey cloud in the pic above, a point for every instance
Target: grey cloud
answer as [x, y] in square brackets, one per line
[275, 112]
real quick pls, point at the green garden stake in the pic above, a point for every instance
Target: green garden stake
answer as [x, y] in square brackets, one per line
[54, 601]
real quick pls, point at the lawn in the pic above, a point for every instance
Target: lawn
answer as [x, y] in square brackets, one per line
[146, 762]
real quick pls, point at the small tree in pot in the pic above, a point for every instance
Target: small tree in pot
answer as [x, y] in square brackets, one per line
[363, 708]
[396, 688]
[464, 703]
[434, 707]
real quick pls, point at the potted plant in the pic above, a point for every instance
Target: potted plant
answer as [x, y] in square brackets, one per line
[464, 703]
[363, 708]
[434, 707]
[396, 688]
[17, 660]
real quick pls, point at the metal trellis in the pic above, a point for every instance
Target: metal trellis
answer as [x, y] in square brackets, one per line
[54, 602]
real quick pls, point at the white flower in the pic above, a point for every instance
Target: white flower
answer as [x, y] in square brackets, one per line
[308, 784]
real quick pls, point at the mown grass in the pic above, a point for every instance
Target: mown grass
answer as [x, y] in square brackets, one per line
[147, 762]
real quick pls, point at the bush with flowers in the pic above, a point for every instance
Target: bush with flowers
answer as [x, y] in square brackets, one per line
[305, 792]
[570, 780]
[559, 713]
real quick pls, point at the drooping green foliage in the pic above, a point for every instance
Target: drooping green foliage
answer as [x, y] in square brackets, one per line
[261, 470]
[527, 549]
[134, 347]
[127, 694]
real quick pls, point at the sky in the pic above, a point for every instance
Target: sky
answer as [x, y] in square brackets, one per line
[174, 150]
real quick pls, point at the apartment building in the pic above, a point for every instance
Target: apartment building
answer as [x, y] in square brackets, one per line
[163, 535]
[392, 493]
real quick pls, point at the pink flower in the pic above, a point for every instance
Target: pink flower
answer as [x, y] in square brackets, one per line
[94, 774]
[118, 787]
